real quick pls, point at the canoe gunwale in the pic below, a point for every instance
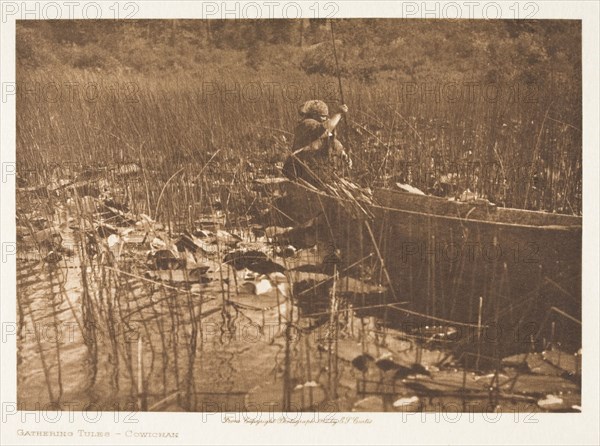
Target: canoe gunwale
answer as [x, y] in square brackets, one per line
[549, 227]
[510, 217]
[479, 221]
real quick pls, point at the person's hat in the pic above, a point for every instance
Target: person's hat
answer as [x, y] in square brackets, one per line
[314, 108]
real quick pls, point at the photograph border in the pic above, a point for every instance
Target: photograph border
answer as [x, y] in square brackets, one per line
[383, 428]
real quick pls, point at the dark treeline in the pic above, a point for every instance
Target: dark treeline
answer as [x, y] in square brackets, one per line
[492, 51]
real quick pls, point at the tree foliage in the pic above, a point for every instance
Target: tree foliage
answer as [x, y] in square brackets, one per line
[525, 51]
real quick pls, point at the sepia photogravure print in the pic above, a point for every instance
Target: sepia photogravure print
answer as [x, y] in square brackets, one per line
[324, 216]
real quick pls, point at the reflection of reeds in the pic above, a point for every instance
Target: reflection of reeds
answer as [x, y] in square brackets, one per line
[88, 313]
[45, 367]
[332, 337]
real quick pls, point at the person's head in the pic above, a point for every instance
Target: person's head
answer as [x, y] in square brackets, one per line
[314, 109]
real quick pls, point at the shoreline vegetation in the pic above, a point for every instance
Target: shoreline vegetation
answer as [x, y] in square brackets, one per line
[494, 106]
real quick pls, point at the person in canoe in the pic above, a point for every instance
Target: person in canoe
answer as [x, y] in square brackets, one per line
[316, 151]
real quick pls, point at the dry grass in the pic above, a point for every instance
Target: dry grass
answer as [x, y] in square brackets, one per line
[520, 151]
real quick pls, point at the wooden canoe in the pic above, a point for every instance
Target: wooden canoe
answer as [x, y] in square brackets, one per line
[446, 258]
